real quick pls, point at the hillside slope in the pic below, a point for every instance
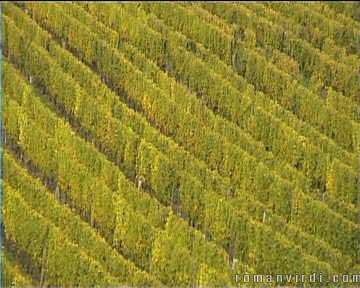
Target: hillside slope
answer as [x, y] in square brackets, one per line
[180, 144]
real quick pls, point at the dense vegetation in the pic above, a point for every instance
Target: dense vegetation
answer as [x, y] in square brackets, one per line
[179, 144]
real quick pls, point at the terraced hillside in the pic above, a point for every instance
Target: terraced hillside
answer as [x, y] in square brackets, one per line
[180, 144]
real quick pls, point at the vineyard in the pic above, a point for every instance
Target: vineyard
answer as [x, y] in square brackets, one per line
[180, 144]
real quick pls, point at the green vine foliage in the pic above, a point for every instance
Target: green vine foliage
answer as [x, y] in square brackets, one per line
[178, 144]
